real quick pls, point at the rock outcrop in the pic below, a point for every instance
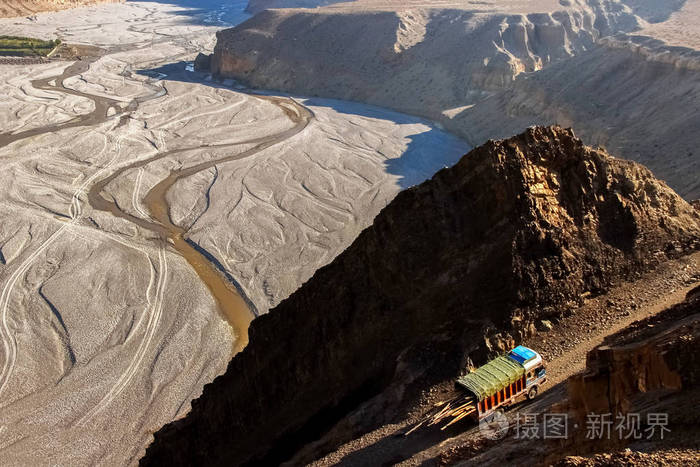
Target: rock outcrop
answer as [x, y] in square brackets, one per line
[202, 62]
[656, 354]
[649, 369]
[453, 269]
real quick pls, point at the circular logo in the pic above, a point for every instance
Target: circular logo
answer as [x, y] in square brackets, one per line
[494, 426]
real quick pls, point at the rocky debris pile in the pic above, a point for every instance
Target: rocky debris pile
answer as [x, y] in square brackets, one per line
[658, 353]
[629, 458]
[456, 268]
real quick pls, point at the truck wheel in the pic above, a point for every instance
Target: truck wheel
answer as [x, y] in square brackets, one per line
[532, 393]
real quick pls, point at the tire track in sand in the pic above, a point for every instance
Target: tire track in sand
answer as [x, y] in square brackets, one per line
[229, 296]
[227, 293]
[6, 336]
[154, 314]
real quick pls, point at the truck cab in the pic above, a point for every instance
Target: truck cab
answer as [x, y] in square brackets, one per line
[535, 371]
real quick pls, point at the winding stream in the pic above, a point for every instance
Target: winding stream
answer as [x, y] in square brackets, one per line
[229, 298]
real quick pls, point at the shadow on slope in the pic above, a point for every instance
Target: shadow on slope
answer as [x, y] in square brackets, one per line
[428, 150]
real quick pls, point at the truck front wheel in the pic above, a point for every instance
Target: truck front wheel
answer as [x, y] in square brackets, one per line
[532, 393]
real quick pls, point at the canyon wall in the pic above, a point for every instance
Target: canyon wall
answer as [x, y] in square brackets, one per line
[487, 74]
[456, 268]
[636, 96]
[12, 8]
[418, 61]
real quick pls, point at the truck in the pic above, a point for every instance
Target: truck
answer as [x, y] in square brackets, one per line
[500, 383]
[504, 381]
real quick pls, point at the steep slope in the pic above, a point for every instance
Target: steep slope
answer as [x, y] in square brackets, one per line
[452, 269]
[418, 60]
[636, 96]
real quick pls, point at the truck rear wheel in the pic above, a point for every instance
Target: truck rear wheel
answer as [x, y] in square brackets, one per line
[532, 393]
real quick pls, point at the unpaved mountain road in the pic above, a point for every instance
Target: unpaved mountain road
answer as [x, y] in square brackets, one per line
[125, 180]
[564, 349]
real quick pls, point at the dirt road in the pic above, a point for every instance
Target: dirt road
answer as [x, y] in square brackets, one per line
[564, 347]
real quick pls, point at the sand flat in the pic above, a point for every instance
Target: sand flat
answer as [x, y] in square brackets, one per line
[101, 320]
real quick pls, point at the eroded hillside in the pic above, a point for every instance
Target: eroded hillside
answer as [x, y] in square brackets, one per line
[454, 269]
[485, 70]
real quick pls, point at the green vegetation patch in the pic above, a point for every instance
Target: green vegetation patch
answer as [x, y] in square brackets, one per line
[15, 46]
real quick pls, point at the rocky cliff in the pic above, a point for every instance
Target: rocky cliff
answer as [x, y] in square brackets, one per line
[615, 95]
[12, 8]
[487, 70]
[416, 60]
[455, 268]
[655, 354]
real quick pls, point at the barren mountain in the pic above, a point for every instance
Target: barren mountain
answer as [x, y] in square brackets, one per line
[452, 270]
[11, 8]
[487, 69]
[633, 95]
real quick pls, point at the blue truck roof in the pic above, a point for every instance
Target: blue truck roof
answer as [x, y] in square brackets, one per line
[521, 354]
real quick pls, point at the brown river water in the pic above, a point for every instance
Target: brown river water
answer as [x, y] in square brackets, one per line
[231, 303]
